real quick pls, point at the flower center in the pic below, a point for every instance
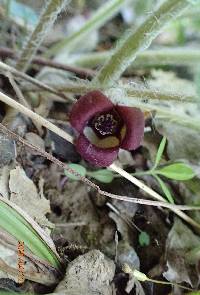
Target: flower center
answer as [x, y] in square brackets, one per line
[105, 130]
[105, 124]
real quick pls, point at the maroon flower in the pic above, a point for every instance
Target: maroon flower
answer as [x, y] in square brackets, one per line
[104, 128]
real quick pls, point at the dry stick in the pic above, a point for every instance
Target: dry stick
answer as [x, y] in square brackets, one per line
[22, 109]
[84, 73]
[48, 156]
[5, 67]
[69, 138]
[17, 90]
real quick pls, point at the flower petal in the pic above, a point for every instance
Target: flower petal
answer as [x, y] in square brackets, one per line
[86, 107]
[134, 121]
[97, 156]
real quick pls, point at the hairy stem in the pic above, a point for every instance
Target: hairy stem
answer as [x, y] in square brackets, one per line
[148, 58]
[138, 40]
[47, 19]
[98, 19]
[166, 113]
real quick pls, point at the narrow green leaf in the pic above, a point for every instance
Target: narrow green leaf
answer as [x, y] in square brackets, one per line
[78, 168]
[144, 239]
[177, 171]
[103, 175]
[160, 151]
[16, 225]
[165, 189]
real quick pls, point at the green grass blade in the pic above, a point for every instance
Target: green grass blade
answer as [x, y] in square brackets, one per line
[16, 225]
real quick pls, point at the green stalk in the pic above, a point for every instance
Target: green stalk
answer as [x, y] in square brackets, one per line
[129, 94]
[46, 21]
[98, 19]
[138, 40]
[148, 58]
[165, 113]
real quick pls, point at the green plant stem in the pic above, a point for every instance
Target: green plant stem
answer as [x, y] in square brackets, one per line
[142, 173]
[142, 93]
[140, 276]
[82, 87]
[47, 19]
[98, 19]
[169, 283]
[131, 94]
[138, 40]
[164, 112]
[148, 58]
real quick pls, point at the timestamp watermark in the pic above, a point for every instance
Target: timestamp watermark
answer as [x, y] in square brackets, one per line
[20, 262]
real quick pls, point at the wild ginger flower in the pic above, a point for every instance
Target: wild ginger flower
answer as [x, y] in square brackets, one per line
[104, 128]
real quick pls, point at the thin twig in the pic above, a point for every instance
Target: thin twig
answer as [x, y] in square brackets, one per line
[5, 67]
[126, 219]
[79, 71]
[17, 90]
[48, 156]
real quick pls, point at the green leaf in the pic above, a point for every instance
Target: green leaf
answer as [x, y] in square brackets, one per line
[78, 168]
[144, 239]
[160, 151]
[165, 189]
[103, 175]
[15, 224]
[177, 171]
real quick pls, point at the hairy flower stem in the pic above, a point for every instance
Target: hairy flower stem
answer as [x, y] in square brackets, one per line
[98, 19]
[148, 58]
[133, 92]
[138, 40]
[47, 19]
[164, 112]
